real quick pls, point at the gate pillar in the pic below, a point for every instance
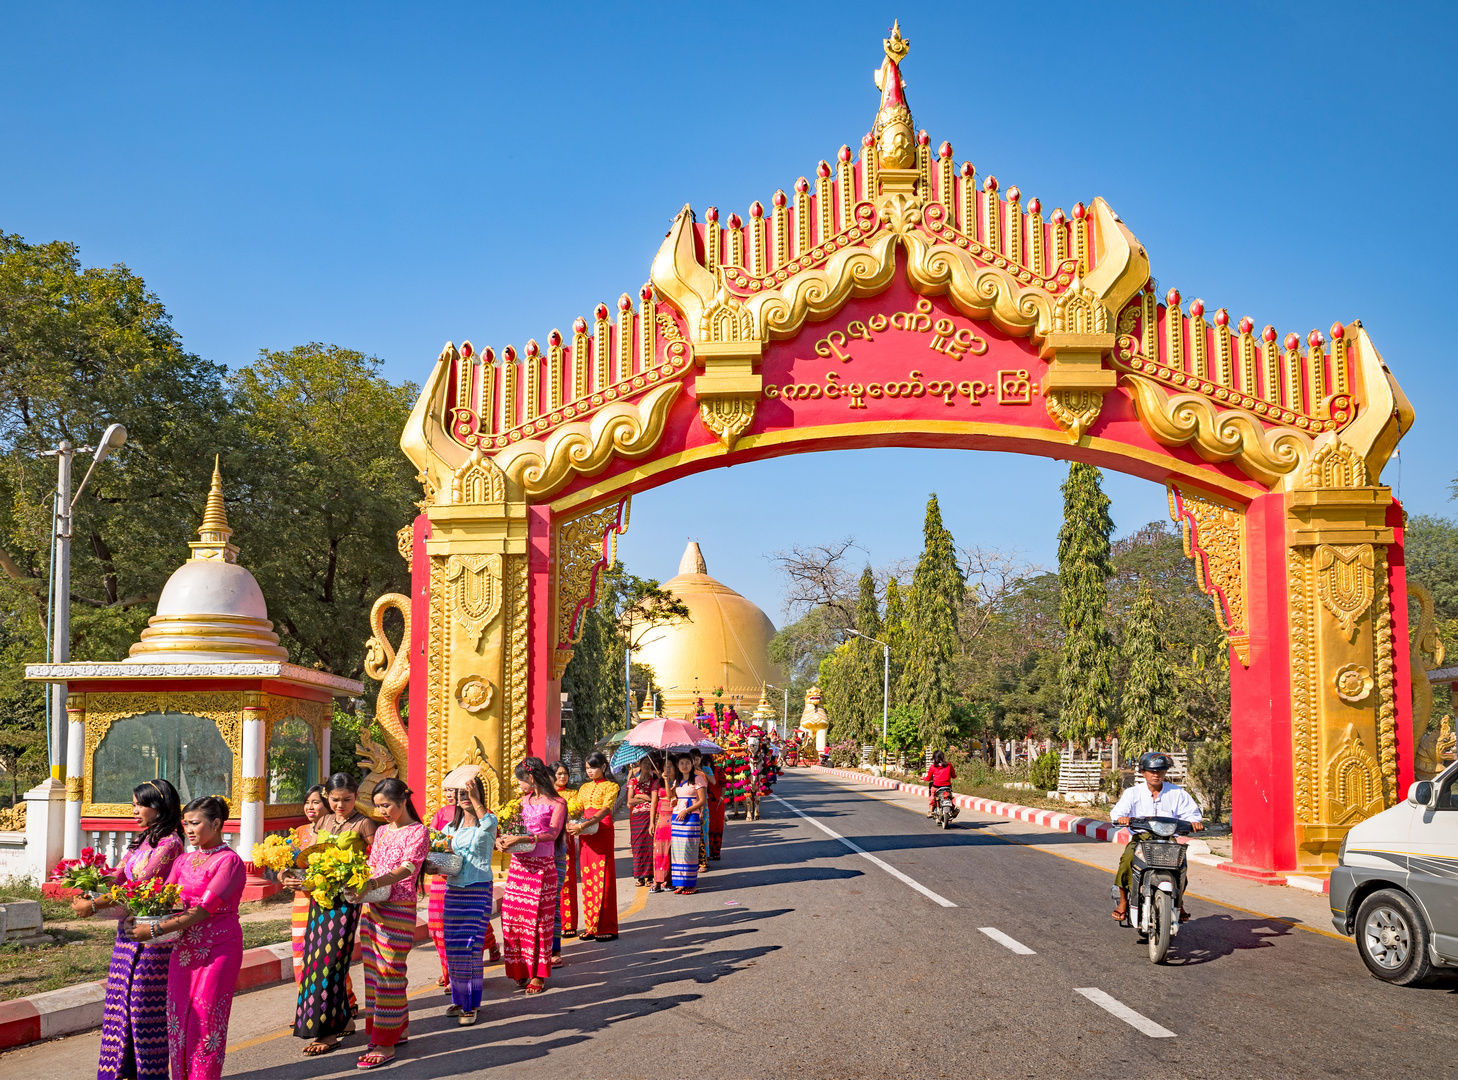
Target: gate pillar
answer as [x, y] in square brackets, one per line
[1347, 621]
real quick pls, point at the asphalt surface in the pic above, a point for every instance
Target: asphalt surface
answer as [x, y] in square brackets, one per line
[801, 957]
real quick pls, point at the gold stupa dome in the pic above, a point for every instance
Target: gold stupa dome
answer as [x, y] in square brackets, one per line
[211, 608]
[726, 643]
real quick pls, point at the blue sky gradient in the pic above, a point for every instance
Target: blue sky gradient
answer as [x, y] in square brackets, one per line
[388, 177]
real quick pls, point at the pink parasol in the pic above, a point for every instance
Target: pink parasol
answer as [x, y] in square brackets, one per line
[664, 733]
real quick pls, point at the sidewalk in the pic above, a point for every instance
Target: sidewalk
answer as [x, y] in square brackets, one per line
[1099, 844]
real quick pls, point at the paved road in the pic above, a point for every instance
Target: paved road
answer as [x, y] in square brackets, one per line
[802, 958]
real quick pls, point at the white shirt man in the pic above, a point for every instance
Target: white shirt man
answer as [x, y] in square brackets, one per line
[1170, 801]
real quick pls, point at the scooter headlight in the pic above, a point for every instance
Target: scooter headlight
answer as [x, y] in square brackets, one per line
[1162, 828]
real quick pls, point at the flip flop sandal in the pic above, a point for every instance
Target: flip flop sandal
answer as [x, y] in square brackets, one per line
[454, 1010]
[533, 989]
[315, 1049]
[606, 937]
[1119, 916]
[585, 936]
[373, 1060]
[467, 1019]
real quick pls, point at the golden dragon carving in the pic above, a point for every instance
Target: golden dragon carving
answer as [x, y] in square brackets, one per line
[392, 670]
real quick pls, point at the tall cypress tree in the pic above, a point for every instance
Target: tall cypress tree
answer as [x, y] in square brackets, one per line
[937, 590]
[1086, 674]
[1148, 701]
[893, 632]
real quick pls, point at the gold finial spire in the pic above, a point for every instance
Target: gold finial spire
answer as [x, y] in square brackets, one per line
[896, 46]
[893, 131]
[693, 560]
[213, 534]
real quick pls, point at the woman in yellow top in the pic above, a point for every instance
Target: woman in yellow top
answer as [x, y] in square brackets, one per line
[599, 872]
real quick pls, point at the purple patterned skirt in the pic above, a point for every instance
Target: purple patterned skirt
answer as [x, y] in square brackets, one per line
[134, 1028]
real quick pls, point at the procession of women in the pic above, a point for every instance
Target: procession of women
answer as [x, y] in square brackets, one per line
[357, 878]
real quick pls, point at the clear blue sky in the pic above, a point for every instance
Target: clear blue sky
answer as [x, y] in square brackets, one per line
[388, 177]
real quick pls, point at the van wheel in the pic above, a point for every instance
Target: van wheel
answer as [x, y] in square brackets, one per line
[1393, 938]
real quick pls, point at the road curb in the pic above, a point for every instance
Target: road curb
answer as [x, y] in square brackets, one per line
[1069, 823]
[74, 1009]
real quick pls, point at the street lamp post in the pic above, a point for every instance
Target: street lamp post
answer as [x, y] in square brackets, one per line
[68, 741]
[885, 683]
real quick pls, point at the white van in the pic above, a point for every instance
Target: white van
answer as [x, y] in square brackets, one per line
[1395, 886]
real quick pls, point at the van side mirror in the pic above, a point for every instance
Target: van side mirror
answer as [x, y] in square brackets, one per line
[1421, 793]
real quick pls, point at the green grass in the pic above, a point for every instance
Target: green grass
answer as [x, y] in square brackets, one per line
[82, 953]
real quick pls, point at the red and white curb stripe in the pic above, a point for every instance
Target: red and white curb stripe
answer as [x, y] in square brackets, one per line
[1093, 828]
[78, 1008]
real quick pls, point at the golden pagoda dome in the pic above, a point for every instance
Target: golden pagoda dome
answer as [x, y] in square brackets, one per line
[211, 608]
[726, 643]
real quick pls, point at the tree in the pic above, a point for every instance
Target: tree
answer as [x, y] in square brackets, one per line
[594, 681]
[1086, 674]
[1148, 705]
[1431, 551]
[893, 632]
[852, 676]
[321, 490]
[937, 591]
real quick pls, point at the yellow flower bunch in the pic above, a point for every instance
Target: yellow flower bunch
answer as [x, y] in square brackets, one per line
[509, 814]
[574, 804]
[151, 897]
[339, 864]
[275, 853]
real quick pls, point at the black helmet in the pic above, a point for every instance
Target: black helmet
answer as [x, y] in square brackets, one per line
[1154, 762]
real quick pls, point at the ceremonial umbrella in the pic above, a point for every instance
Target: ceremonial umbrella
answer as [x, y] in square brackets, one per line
[609, 743]
[663, 733]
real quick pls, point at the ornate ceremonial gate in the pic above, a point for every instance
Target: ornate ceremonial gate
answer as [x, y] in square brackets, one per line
[898, 300]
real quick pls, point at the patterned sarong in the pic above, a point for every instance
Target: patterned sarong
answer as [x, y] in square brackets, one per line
[716, 828]
[684, 857]
[134, 1029]
[298, 923]
[640, 829]
[387, 934]
[466, 919]
[662, 838]
[435, 890]
[599, 881]
[528, 910]
[326, 994]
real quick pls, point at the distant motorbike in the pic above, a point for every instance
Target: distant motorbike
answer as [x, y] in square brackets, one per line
[1158, 883]
[944, 809]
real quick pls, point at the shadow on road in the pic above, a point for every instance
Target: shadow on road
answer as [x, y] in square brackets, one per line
[603, 984]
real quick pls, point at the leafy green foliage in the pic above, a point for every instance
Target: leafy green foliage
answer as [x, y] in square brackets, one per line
[937, 591]
[852, 678]
[1148, 699]
[1084, 569]
[1210, 775]
[1044, 775]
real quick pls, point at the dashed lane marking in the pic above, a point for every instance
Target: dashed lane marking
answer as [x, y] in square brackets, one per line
[1138, 1021]
[1002, 939]
[863, 853]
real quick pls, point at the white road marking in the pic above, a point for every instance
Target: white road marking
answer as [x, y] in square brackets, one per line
[1002, 939]
[1126, 1014]
[918, 886]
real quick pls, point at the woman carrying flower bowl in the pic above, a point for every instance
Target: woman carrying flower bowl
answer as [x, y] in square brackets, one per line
[387, 930]
[304, 836]
[530, 905]
[467, 914]
[203, 971]
[599, 872]
[327, 1006]
[134, 1026]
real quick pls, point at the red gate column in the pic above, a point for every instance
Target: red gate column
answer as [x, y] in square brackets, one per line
[1260, 704]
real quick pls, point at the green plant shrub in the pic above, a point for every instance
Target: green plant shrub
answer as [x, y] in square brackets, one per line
[1044, 775]
[1210, 776]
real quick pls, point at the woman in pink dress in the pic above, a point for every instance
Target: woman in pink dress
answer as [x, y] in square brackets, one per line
[529, 907]
[387, 931]
[205, 961]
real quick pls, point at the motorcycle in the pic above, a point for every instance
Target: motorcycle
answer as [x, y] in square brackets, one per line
[945, 809]
[1158, 882]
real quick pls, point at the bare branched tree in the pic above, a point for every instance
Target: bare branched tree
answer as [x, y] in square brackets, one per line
[818, 576]
[992, 575]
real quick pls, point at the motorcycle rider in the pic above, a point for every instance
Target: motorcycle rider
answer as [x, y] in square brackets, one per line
[939, 774]
[1153, 798]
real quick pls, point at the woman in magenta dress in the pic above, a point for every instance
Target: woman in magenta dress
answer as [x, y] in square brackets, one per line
[529, 907]
[134, 1031]
[203, 971]
[387, 931]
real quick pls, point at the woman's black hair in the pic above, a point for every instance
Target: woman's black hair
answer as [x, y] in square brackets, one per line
[598, 760]
[396, 791]
[535, 769]
[460, 814]
[341, 781]
[554, 767]
[317, 789]
[161, 796]
[938, 758]
[212, 807]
